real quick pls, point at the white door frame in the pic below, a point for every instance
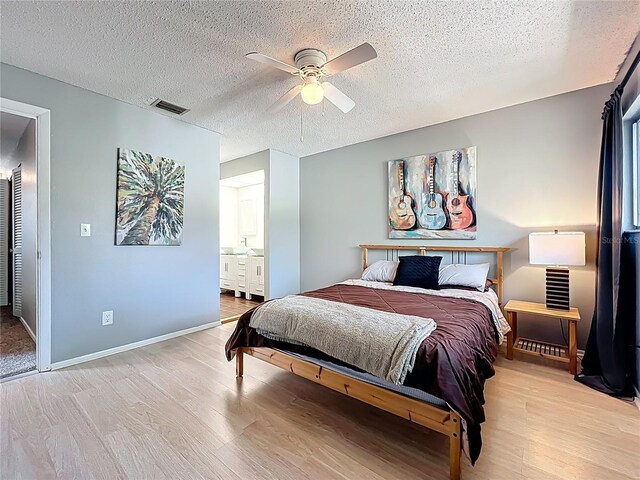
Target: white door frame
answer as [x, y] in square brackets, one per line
[42, 117]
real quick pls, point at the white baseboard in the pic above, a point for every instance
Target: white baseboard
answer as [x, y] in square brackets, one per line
[29, 331]
[636, 397]
[130, 346]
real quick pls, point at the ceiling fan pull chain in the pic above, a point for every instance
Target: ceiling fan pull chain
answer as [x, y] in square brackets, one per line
[323, 102]
[301, 136]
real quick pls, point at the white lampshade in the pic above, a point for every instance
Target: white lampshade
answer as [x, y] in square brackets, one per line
[556, 248]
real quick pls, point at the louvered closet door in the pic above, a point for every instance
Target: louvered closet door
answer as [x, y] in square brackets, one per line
[4, 242]
[17, 241]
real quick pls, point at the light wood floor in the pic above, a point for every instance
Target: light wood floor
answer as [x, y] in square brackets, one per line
[174, 410]
[230, 306]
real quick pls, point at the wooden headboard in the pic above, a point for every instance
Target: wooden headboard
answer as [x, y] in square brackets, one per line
[460, 252]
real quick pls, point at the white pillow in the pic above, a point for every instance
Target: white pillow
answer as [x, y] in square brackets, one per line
[474, 276]
[381, 271]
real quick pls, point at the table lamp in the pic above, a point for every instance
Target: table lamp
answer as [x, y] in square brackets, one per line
[557, 250]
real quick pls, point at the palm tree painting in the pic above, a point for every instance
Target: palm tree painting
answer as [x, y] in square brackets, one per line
[150, 199]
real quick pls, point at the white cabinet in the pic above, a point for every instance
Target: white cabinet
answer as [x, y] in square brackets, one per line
[229, 273]
[256, 275]
[228, 267]
[242, 274]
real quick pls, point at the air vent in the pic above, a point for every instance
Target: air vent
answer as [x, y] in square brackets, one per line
[169, 107]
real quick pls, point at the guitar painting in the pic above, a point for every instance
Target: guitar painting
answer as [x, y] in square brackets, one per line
[433, 196]
[401, 214]
[459, 212]
[432, 215]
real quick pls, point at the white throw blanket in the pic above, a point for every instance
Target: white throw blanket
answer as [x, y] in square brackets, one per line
[381, 343]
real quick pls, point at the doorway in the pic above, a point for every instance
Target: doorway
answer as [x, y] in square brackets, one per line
[242, 227]
[17, 245]
[25, 271]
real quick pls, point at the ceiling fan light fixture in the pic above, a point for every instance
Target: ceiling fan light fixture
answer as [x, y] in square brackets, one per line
[311, 66]
[312, 93]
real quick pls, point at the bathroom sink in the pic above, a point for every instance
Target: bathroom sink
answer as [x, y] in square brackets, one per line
[254, 252]
[234, 250]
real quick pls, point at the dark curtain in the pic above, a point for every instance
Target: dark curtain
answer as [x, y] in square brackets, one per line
[606, 365]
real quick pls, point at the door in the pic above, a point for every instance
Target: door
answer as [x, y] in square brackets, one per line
[16, 250]
[232, 268]
[223, 268]
[4, 242]
[256, 279]
[261, 271]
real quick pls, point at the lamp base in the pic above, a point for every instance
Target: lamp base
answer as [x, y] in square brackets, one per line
[557, 293]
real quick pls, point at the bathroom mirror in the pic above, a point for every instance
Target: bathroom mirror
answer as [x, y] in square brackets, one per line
[248, 217]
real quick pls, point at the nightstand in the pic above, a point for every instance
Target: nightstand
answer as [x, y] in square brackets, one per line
[535, 347]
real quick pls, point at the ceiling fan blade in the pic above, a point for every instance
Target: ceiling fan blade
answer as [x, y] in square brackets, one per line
[338, 98]
[286, 98]
[272, 62]
[356, 56]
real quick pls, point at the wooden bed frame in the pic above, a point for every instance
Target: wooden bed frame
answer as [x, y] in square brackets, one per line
[498, 281]
[445, 421]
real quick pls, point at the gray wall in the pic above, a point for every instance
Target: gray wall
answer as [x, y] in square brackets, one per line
[537, 170]
[25, 155]
[250, 163]
[281, 210]
[152, 290]
[284, 224]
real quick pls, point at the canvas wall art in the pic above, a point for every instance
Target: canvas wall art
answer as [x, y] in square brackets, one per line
[433, 195]
[150, 204]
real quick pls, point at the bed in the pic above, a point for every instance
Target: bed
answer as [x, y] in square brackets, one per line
[444, 389]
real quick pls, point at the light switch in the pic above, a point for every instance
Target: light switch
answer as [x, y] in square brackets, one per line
[85, 229]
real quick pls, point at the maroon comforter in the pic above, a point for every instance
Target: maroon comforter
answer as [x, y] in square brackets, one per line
[452, 363]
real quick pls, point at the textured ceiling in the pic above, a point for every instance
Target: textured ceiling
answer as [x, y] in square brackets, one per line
[12, 128]
[436, 60]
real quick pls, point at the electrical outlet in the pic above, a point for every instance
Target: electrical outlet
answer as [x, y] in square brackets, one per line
[107, 318]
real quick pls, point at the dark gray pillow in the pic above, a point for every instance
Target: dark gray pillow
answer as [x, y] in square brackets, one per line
[418, 271]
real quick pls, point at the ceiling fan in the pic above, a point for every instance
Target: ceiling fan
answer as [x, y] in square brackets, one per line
[311, 66]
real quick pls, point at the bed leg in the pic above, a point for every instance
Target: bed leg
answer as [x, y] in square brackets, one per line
[239, 363]
[455, 448]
